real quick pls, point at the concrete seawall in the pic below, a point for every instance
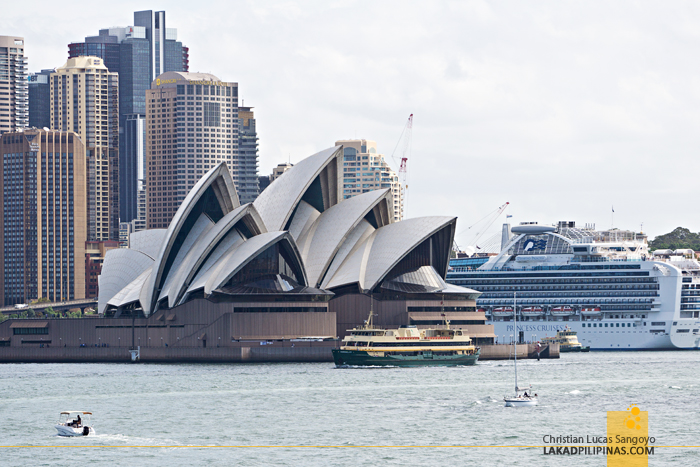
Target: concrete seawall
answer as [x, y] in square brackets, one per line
[245, 352]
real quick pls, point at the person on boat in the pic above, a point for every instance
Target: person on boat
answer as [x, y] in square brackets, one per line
[526, 394]
[78, 422]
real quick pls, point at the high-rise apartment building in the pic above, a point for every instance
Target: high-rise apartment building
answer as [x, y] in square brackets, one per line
[40, 99]
[43, 195]
[191, 126]
[14, 95]
[85, 99]
[138, 53]
[365, 170]
[245, 171]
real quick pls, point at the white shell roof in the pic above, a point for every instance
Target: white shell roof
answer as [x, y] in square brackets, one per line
[383, 249]
[130, 293]
[323, 239]
[304, 217]
[200, 229]
[237, 257]
[276, 204]
[337, 246]
[147, 241]
[354, 240]
[218, 178]
[120, 267]
[199, 252]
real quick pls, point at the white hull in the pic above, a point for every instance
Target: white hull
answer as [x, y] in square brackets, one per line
[615, 338]
[71, 431]
[520, 401]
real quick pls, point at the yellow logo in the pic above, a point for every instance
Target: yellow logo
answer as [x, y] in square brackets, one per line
[628, 438]
[634, 420]
[157, 81]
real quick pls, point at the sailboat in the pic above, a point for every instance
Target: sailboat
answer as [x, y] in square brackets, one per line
[521, 397]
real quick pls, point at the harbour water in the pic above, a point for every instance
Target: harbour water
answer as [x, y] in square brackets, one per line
[330, 410]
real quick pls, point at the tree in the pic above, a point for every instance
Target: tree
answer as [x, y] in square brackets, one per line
[680, 238]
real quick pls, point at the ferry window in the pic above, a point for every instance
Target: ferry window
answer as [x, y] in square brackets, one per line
[606, 325]
[617, 325]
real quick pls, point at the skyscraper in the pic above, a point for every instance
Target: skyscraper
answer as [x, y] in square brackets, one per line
[40, 99]
[14, 98]
[191, 126]
[245, 172]
[44, 223]
[365, 170]
[85, 99]
[138, 53]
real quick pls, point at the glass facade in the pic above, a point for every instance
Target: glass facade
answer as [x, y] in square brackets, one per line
[246, 176]
[610, 287]
[190, 128]
[43, 187]
[40, 99]
[135, 53]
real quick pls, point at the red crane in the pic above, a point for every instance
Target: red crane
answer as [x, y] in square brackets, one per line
[402, 158]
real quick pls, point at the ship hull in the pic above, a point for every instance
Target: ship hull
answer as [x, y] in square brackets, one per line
[362, 358]
[630, 338]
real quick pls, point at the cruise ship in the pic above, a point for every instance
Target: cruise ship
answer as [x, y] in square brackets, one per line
[604, 285]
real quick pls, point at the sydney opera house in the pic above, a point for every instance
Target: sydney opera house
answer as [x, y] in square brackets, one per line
[300, 263]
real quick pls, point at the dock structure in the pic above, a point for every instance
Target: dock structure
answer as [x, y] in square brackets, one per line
[244, 351]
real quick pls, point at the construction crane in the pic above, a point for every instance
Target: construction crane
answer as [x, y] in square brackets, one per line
[401, 159]
[480, 228]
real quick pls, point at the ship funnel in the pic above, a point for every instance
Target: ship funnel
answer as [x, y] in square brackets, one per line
[505, 236]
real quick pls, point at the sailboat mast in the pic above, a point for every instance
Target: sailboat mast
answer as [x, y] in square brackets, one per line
[515, 340]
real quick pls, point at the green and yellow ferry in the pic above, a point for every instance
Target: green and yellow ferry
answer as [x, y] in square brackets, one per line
[567, 340]
[405, 346]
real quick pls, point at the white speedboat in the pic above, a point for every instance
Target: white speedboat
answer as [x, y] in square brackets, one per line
[74, 423]
[521, 398]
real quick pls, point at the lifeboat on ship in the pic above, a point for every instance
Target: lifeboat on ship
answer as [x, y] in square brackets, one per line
[502, 311]
[564, 310]
[591, 311]
[531, 311]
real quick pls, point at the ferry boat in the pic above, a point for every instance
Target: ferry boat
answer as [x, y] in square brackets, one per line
[406, 346]
[567, 340]
[605, 285]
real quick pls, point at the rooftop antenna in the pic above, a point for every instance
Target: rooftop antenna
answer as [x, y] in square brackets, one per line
[612, 218]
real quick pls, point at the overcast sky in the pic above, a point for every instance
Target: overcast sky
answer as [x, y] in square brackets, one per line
[564, 109]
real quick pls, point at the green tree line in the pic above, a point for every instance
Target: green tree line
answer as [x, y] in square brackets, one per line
[679, 238]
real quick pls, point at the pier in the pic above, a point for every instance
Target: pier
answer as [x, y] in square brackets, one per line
[237, 352]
